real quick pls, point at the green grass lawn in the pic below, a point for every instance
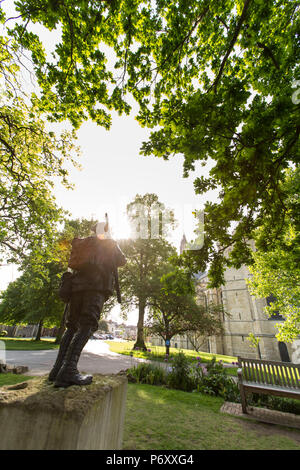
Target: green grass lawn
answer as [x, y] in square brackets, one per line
[12, 379]
[161, 419]
[28, 344]
[158, 353]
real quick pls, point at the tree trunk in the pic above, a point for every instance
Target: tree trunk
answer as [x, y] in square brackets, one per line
[167, 339]
[39, 331]
[140, 341]
[167, 334]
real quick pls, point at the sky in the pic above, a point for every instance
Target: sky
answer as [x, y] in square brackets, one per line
[113, 172]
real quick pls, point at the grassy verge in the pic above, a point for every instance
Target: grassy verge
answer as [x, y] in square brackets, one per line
[193, 421]
[28, 344]
[158, 353]
[12, 379]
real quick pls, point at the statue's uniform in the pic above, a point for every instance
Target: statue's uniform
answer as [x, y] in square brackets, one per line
[91, 287]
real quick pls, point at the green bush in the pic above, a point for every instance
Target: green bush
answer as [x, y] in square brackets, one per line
[180, 375]
[148, 374]
[213, 380]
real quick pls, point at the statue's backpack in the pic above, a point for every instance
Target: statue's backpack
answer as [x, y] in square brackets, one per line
[84, 253]
[90, 251]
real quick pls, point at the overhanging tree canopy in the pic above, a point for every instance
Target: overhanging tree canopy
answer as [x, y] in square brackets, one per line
[276, 272]
[215, 77]
[31, 157]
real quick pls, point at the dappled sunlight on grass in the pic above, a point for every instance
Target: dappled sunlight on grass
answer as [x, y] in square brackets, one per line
[158, 353]
[145, 396]
[160, 418]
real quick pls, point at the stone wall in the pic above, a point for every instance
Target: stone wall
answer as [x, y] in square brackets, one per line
[246, 315]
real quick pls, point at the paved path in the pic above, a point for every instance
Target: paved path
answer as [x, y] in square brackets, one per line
[95, 358]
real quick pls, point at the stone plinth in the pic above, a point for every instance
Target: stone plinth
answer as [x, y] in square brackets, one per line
[36, 416]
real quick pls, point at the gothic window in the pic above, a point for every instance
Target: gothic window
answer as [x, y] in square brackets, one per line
[276, 315]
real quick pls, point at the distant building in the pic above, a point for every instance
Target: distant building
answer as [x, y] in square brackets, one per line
[121, 330]
[130, 332]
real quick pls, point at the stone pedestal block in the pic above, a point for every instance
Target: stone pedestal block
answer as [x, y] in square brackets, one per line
[36, 416]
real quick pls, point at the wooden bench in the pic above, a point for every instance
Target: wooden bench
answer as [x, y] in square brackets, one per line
[268, 377]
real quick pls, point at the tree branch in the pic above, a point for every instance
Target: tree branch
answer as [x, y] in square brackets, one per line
[232, 43]
[269, 52]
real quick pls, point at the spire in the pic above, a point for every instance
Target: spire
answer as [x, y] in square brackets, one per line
[183, 243]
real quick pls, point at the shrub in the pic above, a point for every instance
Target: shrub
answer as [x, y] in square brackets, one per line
[180, 376]
[148, 374]
[3, 333]
[213, 380]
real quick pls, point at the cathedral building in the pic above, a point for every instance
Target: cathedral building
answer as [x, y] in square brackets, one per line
[242, 315]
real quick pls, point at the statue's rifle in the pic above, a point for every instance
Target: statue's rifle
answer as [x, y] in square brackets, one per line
[115, 269]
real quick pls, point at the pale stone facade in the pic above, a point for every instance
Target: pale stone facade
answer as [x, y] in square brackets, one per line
[244, 314]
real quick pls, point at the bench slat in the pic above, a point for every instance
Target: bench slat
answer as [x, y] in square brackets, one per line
[287, 377]
[252, 365]
[282, 377]
[294, 377]
[279, 372]
[244, 371]
[266, 373]
[250, 374]
[259, 373]
[276, 374]
[270, 375]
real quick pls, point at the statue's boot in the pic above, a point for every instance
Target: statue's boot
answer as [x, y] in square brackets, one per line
[63, 347]
[68, 373]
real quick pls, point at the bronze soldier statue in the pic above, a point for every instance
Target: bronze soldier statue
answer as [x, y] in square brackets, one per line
[87, 289]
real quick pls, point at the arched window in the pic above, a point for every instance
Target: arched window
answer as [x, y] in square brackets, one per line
[283, 351]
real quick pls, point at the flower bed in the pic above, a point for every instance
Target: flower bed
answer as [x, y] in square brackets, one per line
[208, 378]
